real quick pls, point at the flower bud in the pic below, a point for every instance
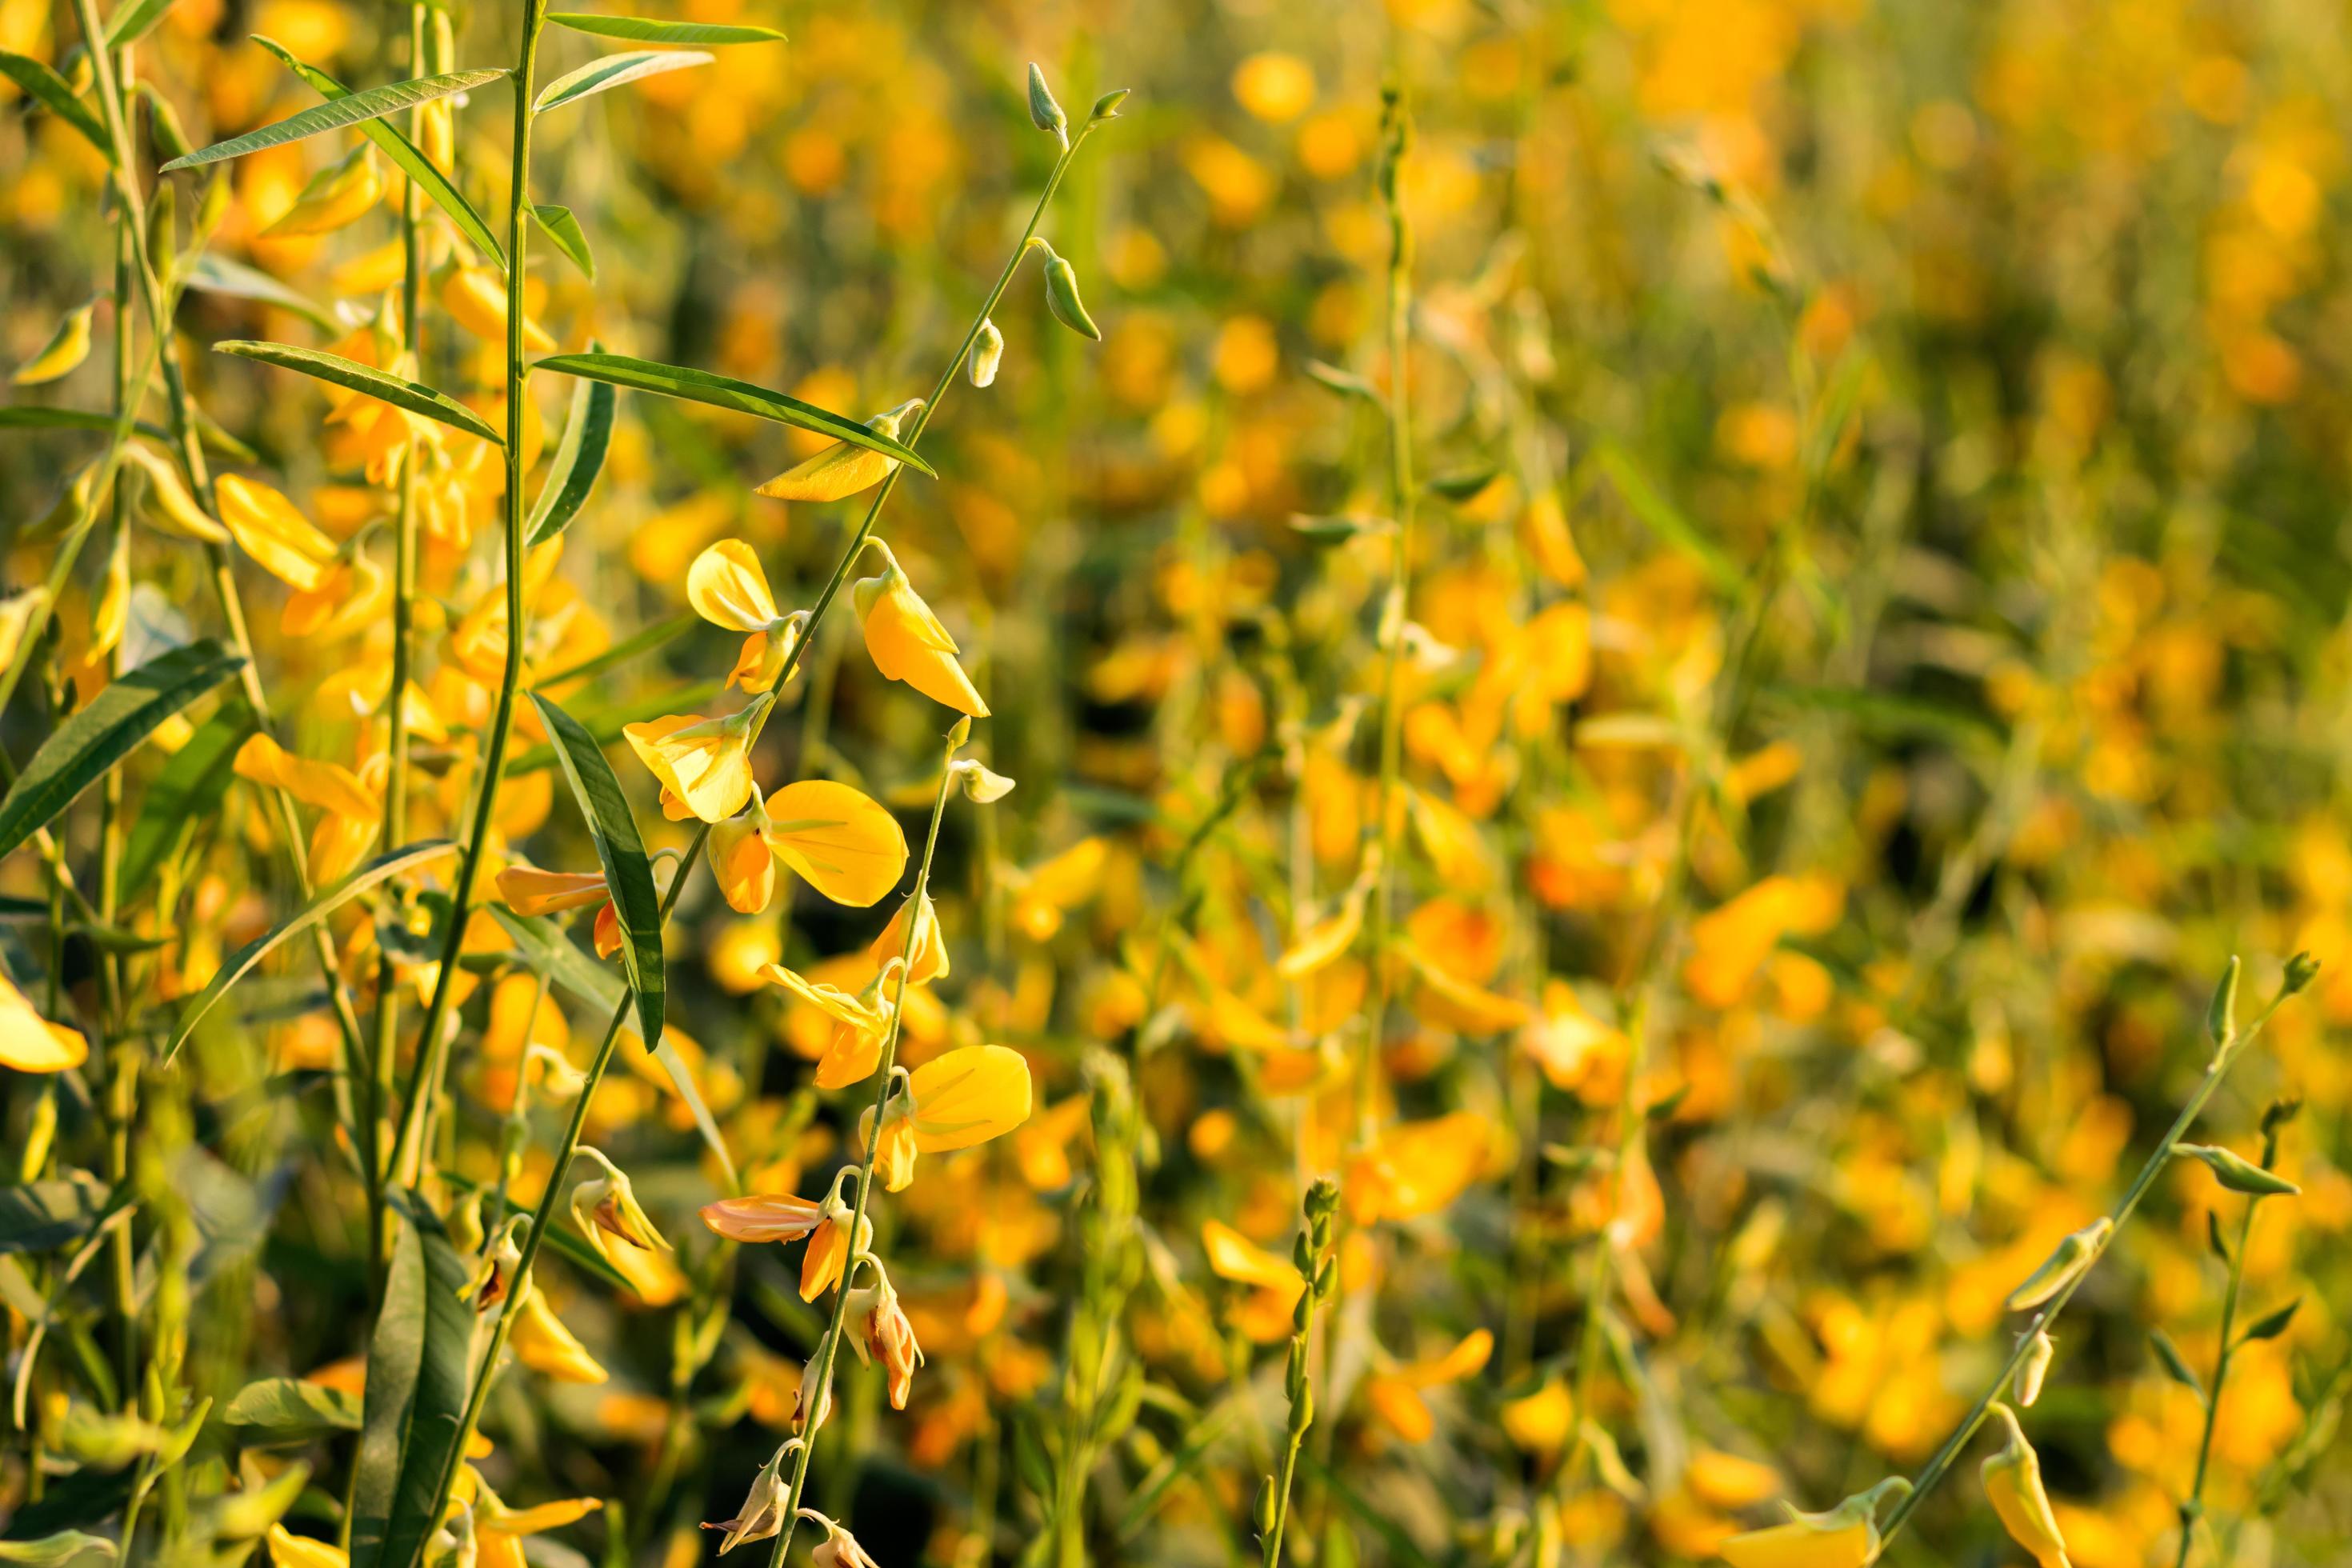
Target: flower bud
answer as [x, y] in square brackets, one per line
[2034, 1368]
[1044, 112]
[2237, 1172]
[981, 785]
[987, 353]
[1062, 296]
[762, 1513]
[2072, 1258]
[2013, 1483]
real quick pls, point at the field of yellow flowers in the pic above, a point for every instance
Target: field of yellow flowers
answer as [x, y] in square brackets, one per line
[1448, 782]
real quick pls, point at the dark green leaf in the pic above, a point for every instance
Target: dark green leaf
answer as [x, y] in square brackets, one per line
[373, 104]
[87, 746]
[410, 158]
[55, 95]
[40, 1215]
[644, 30]
[558, 224]
[2273, 1326]
[579, 458]
[413, 396]
[626, 871]
[290, 1405]
[183, 797]
[241, 962]
[212, 274]
[135, 21]
[724, 392]
[615, 71]
[1466, 486]
[2174, 1364]
[34, 416]
[418, 1366]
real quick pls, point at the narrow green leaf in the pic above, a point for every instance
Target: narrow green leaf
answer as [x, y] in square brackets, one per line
[627, 871]
[644, 30]
[661, 633]
[417, 1386]
[40, 1215]
[725, 391]
[2213, 1242]
[551, 953]
[210, 274]
[579, 458]
[290, 1405]
[615, 71]
[558, 224]
[1346, 383]
[49, 1551]
[413, 396]
[410, 158]
[38, 416]
[183, 797]
[241, 963]
[135, 21]
[373, 104]
[1663, 519]
[87, 746]
[2174, 1364]
[1466, 486]
[58, 97]
[2273, 1326]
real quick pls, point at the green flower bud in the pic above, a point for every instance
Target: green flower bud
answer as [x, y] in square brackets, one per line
[1044, 112]
[1062, 296]
[2237, 1172]
[987, 353]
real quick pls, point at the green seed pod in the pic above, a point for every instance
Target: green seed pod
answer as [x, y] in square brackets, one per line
[2067, 1264]
[1264, 1510]
[1302, 1410]
[1301, 1313]
[163, 232]
[987, 354]
[1302, 1256]
[1327, 1278]
[2237, 1172]
[2221, 1012]
[1062, 298]
[1044, 112]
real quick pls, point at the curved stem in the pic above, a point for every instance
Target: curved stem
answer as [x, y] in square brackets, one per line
[2193, 1508]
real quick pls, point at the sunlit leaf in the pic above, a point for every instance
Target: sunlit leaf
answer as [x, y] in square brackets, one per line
[724, 392]
[622, 854]
[615, 71]
[645, 30]
[412, 397]
[373, 104]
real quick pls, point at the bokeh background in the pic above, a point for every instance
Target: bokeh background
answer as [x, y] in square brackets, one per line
[1933, 419]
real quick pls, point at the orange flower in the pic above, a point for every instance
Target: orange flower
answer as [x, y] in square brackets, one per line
[30, 1043]
[1396, 1394]
[907, 641]
[726, 588]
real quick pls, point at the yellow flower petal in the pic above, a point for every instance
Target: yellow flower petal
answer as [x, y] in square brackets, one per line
[847, 847]
[727, 587]
[328, 786]
[287, 1550]
[969, 1096]
[30, 1043]
[66, 347]
[269, 528]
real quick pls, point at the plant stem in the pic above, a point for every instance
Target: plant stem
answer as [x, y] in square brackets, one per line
[2193, 1508]
[432, 1043]
[1940, 1464]
[821, 1364]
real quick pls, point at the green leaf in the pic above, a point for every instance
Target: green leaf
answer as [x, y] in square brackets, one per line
[1346, 383]
[614, 70]
[38, 416]
[326, 902]
[725, 391]
[185, 795]
[290, 1405]
[1664, 520]
[2273, 1326]
[50, 1549]
[551, 953]
[416, 1385]
[1893, 714]
[40, 1215]
[2174, 1364]
[135, 21]
[410, 158]
[2237, 1172]
[212, 274]
[661, 633]
[412, 397]
[558, 224]
[373, 104]
[87, 746]
[626, 871]
[55, 95]
[1339, 530]
[579, 458]
[1466, 486]
[644, 30]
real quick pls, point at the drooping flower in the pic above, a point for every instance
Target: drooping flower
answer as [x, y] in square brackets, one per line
[353, 812]
[267, 527]
[883, 1332]
[1843, 1537]
[842, 469]
[909, 644]
[930, 960]
[528, 891]
[829, 1251]
[606, 1209]
[762, 1513]
[705, 762]
[727, 587]
[476, 298]
[499, 1530]
[757, 1217]
[287, 1550]
[542, 1343]
[2013, 1483]
[861, 1022]
[338, 195]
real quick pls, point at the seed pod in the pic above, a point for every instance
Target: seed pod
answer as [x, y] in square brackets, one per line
[1044, 112]
[2034, 1368]
[2237, 1172]
[1062, 298]
[987, 352]
[2067, 1264]
[2221, 1012]
[1107, 106]
[1264, 1508]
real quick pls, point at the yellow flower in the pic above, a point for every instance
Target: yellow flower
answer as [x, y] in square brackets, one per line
[827, 1257]
[726, 588]
[842, 469]
[1416, 1168]
[528, 891]
[354, 813]
[287, 1550]
[337, 196]
[762, 1216]
[860, 1024]
[30, 1043]
[968, 1096]
[476, 298]
[542, 1343]
[279, 538]
[705, 762]
[1274, 87]
[2013, 1483]
[1044, 894]
[66, 347]
[1396, 1394]
[909, 644]
[838, 840]
[499, 1530]
[741, 863]
[930, 954]
[1845, 1537]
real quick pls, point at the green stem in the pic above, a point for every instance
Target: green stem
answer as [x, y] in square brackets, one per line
[1941, 1463]
[816, 1404]
[2194, 1508]
[433, 1044]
